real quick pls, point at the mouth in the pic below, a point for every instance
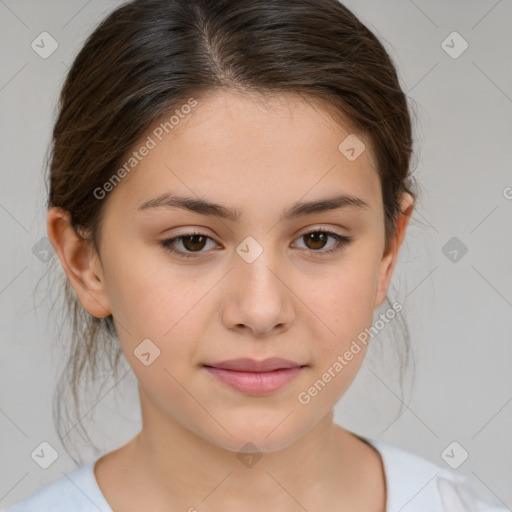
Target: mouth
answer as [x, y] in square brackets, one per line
[254, 377]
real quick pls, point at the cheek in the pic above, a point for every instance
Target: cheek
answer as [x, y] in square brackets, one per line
[344, 309]
[344, 303]
[147, 294]
[165, 305]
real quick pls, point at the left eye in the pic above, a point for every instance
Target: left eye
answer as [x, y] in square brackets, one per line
[317, 240]
[195, 242]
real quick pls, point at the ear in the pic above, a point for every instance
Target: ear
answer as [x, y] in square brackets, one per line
[80, 262]
[390, 255]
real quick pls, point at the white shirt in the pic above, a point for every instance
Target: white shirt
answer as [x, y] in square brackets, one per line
[413, 484]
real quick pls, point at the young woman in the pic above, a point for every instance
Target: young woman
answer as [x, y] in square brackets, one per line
[229, 189]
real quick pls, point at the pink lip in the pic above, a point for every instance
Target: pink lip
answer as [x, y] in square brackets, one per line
[255, 377]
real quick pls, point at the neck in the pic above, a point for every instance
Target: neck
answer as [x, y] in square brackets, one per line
[176, 466]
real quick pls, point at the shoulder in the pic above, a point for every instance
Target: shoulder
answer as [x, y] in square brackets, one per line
[419, 485]
[76, 491]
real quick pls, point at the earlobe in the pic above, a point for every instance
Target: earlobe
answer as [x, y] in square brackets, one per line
[390, 257]
[80, 262]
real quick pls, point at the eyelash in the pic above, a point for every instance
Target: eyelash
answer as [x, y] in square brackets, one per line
[341, 243]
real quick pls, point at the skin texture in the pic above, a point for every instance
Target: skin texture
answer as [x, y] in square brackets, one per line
[258, 155]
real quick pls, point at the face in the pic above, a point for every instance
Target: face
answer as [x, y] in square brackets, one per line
[270, 279]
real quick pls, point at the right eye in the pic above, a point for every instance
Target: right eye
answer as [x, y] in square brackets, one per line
[192, 242]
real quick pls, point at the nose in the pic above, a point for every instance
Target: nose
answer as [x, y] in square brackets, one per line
[258, 299]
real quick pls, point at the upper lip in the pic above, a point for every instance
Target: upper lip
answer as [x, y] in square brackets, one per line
[253, 365]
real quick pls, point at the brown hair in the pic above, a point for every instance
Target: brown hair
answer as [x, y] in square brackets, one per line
[149, 56]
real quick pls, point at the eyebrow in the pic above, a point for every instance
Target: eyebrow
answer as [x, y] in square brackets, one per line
[208, 208]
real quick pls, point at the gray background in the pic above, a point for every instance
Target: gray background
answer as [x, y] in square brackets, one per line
[459, 312]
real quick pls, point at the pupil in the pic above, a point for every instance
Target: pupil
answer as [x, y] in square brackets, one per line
[194, 238]
[318, 240]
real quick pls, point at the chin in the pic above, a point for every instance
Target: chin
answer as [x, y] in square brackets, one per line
[254, 443]
[263, 435]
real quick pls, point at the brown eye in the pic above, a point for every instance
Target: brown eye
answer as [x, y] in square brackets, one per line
[192, 243]
[315, 241]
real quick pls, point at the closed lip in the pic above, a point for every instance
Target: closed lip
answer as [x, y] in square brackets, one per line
[253, 365]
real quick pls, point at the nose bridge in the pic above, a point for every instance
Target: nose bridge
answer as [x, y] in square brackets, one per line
[258, 260]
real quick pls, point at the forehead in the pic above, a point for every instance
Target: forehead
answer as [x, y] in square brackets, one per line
[238, 148]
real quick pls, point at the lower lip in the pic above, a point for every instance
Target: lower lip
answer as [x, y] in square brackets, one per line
[255, 383]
